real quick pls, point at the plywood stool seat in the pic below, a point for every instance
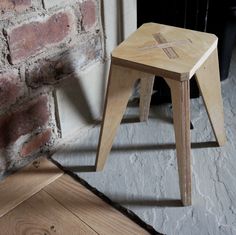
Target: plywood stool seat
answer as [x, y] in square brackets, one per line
[175, 54]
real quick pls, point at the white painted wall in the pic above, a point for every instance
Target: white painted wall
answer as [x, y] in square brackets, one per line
[80, 97]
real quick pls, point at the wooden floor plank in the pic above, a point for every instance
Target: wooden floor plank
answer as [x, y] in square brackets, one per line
[25, 183]
[41, 214]
[39, 199]
[100, 216]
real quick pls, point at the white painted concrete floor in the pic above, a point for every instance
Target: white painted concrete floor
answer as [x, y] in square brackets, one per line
[141, 172]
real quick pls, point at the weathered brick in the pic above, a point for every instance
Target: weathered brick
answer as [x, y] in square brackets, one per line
[17, 5]
[89, 14]
[36, 143]
[51, 70]
[29, 39]
[11, 88]
[33, 115]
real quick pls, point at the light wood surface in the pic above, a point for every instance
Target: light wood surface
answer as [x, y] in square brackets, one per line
[184, 59]
[120, 84]
[181, 115]
[175, 54]
[42, 214]
[62, 207]
[25, 183]
[146, 87]
[88, 207]
[208, 80]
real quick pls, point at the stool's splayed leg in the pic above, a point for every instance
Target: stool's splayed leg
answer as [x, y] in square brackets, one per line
[181, 115]
[145, 96]
[208, 79]
[120, 84]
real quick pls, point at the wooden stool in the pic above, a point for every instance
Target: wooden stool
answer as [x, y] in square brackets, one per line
[175, 54]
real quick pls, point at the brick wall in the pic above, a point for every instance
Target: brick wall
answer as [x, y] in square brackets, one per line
[41, 43]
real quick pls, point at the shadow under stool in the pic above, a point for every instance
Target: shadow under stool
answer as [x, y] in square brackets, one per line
[175, 54]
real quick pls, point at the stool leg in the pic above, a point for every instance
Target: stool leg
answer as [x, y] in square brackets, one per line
[120, 84]
[208, 79]
[145, 97]
[181, 115]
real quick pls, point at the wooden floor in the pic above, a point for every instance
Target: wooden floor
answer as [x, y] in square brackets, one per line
[41, 199]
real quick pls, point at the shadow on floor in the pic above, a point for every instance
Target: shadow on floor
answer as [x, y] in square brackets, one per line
[152, 202]
[131, 148]
[91, 151]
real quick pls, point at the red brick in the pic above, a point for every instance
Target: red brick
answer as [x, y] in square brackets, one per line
[36, 143]
[29, 39]
[17, 5]
[11, 88]
[35, 114]
[89, 16]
